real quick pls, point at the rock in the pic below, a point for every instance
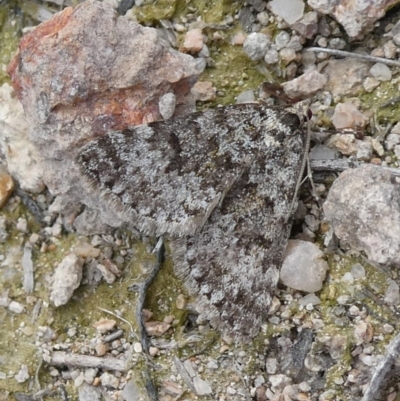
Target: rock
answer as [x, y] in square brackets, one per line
[281, 40]
[358, 271]
[303, 267]
[271, 57]
[305, 85]
[23, 160]
[322, 152]
[309, 299]
[392, 139]
[202, 387]
[289, 10]
[356, 17]
[245, 97]
[16, 307]
[104, 325]
[131, 391]
[204, 91]
[67, 278]
[167, 104]
[256, 45]
[109, 380]
[361, 206]
[392, 293]
[28, 270]
[88, 392]
[381, 72]
[344, 143]
[370, 84]
[6, 185]
[347, 115]
[23, 375]
[76, 82]
[345, 77]
[363, 332]
[307, 26]
[156, 329]
[364, 151]
[193, 42]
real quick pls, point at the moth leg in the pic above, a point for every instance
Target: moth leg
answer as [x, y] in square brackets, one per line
[142, 289]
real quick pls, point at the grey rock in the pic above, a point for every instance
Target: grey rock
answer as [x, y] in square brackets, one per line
[256, 45]
[289, 10]
[362, 206]
[202, 387]
[322, 152]
[364, 151]
[358, 271]
[67, 278]
[167, 104]
[131, 392]
[392, 293]
[381, 72]
[392, 140]
[88, 392]
[303, 267]
[245, 97]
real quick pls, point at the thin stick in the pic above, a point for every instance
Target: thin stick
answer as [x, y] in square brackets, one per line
[365, 57]
[86, 361]
[338, 165]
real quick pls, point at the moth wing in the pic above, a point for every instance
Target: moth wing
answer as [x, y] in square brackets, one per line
[233, 263]
[168, 176]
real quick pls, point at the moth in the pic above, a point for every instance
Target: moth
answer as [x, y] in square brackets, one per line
[222, 184]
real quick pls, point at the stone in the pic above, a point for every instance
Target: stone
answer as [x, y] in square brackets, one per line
[104, 325]
[307, 26]
[256, 45]
[76, 82]
[23, 160]
[204, 91]
[289, 10]
[23, 375]
[202, 387]
[346, 115]
[6, 185]
[16, 307]
[67, 278]
[392, 293]
[167, 105]
[193, 42]
[305, 85]
[381, 72]
[357, 17]
[88, 392]
[344, 143]
[303, 267]
[361, 207]
[392, 139]
[345, 77]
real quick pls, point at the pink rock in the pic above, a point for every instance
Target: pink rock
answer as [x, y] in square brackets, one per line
[76, 82]
[194, 41]
[204, 91]
[305, 85]
[347, 115]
